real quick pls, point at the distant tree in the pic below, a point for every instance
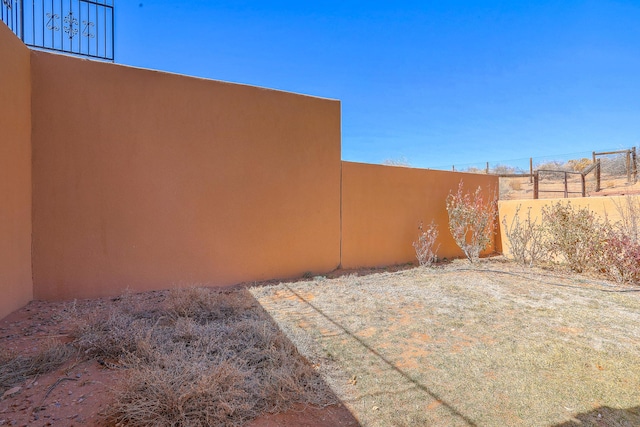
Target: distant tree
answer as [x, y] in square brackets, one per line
[401, 161]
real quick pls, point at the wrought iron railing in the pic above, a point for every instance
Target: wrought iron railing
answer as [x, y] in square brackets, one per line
[80, 27]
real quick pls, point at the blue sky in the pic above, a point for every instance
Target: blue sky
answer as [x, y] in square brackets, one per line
[433, 82]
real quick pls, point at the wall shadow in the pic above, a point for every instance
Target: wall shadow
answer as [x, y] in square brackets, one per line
[605, 416]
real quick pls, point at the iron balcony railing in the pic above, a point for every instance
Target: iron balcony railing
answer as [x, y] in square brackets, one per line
[79, 27]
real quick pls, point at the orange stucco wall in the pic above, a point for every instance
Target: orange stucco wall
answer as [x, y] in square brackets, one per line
[15, 173]
[148, 180]
[382, 206]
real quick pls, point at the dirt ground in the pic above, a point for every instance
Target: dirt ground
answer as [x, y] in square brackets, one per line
[493, 344]
[487, 345]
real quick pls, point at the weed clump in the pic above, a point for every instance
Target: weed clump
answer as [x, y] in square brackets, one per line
[199, 357]
[425, 247]
[15, 369]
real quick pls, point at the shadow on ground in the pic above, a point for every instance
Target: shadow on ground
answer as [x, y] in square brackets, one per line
[605, 416]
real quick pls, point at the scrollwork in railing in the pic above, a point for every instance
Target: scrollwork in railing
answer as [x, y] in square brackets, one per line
[51, 23]
[78, 27]
[71, 22]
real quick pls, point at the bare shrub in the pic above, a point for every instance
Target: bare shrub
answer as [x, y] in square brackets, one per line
[621, 258]
[629, 211]
[614, 164]
[526, 238]
[400, 161]
[425, 247]
[554, 165]
[15, 369]
[505, 170]
[471, 221]
[576, 235]
[515, 184]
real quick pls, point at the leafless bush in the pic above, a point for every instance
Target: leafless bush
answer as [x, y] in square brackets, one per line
[621, 257]
[629, 211]
[471, 221]
[15, 369]
[425, 247]
[505, 170]
[400, 161]
[526, 238]
[554, 165]
[576, 235]
[614, 164]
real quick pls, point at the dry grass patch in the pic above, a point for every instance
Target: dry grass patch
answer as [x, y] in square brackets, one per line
[196, 357]
[16, 369]
[488, 346]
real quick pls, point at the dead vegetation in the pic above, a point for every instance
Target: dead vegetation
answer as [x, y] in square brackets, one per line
[200, 358]
[16, 369]
[190, 357]
[490, 344]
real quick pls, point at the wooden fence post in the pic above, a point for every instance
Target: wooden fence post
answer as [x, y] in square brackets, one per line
[584, 191]
[634, 164]
[530, 169]
[598, 176]
[536, 177]
[566, 186]
[628, 161]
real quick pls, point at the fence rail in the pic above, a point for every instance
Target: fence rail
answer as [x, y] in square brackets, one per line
[79, 27]
[593, 168]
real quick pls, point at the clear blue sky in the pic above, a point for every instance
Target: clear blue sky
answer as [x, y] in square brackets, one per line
[433, 82]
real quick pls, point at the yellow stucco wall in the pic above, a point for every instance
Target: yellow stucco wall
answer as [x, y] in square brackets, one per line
[148, 180]
[382, 206]
[15, 173]
[599, 205]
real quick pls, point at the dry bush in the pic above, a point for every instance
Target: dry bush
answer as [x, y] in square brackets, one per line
[211, 358]
[575, 235]
[515, 184]
[580, 164]
[553, 165]
[621, 258]
[471, 221]
[400, 161]
[614, 164]
[425, 247]
[629, 211]
[526, 238]
[15, 369]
